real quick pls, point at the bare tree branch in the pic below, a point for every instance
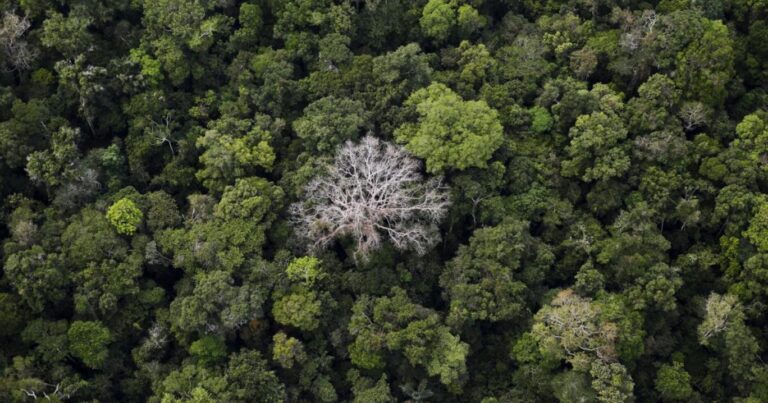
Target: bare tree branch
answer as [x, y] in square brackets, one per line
[372, 191]
[18, 54]
[694, 115]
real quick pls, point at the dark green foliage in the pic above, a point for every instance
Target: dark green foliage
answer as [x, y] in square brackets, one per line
[497, 275]
[673, 382]
[208, 350]
[88, 341]
[605, 237]
[328, 122]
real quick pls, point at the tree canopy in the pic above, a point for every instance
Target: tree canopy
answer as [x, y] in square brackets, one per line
[379, 201]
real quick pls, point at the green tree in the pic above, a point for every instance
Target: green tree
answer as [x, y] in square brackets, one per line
[636, 244]
[125, 216]
[251, 198]
[612, 382]
[724, 330]
[67, 34]
[329, 122]
[89, 341]
[450, 133]
[592, 336]
[251, 22]
[209, 350]
[673, 382]
[287, 351]
[233, 148]
[469, 20]
[721, 312]
[20, 134]
[496, 275]
[162, 212]
[245, 378]
[56, 165]
[37, 276]
[705, 67]
[49, 339]
[301, 308]
[250, 379]
[397, 324]
[366, 390]
[596, 151]
[438, 19]
[209, 244]
[541, 120]
[570, 328]
[742, 157]
[177, 30]
[305, 269]
[191, 384]
[215, 304]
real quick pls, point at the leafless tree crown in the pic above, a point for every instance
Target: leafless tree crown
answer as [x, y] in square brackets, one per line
[17, 53]
[372, 191]
[694, 115]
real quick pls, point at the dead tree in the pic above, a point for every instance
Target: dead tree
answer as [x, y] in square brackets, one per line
[18, 54]
[694, 115]
[373, 191]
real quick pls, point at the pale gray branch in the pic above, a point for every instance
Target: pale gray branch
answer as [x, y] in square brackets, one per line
[372, 191]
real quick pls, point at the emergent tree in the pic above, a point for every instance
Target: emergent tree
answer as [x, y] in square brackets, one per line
[372, 191]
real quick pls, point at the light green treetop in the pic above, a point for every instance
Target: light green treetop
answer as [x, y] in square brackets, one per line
[451, 133]
[125, 216]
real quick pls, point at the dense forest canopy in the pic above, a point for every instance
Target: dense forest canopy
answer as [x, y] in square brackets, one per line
[378, 201]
